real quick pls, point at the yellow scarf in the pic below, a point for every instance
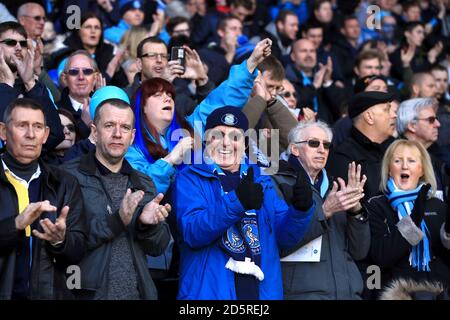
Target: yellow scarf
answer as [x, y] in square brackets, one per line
[22, 196]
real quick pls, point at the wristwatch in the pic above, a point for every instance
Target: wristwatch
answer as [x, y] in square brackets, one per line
[360, 215]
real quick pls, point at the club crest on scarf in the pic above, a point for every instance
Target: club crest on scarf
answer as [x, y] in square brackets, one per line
[235, 240]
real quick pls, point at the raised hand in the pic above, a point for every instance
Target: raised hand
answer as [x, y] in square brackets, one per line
[354, 177]
[354, 181]
[302, 192]
[85, 113]
[53, 232]
[407, 55]
[309, 114]
[38, 57]
[113, 65]
[194, 68]
[260, 88]
[158, 22]
[418, 211]
[434, 52]
[177, 154]
[100, 82]
[129, 204]
[32, 212]
[261, 51]
[154, 213]
[250, 193]
[173, 70]
[319, 76]
[6, 75]
[329, 70]
[25, 67]
[341, 198]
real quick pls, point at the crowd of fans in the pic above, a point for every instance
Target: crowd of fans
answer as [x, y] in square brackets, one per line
[227, 149]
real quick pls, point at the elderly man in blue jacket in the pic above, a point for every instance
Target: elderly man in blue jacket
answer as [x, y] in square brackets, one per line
[232, 222]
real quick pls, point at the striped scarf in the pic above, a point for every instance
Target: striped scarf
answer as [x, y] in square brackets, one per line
[403, 203]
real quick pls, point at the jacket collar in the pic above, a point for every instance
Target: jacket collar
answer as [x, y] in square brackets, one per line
[89, 166]
[210, 171]
[366, 143]
[48, 177]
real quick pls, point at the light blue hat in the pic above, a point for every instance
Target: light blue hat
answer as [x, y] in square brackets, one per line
[106, 93]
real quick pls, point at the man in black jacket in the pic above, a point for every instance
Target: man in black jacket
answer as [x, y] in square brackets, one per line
[373, 120]
[314, 86]
[125, 223]
[42, 225]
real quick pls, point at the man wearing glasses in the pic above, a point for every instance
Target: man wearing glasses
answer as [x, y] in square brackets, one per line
[32, 17]
[80, 75]
[417, 120]
[17, 78]
[338, 233]
[153, 61]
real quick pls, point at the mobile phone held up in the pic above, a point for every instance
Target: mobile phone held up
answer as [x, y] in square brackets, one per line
[178, 53]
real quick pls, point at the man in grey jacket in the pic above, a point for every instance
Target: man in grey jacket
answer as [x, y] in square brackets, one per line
[321, 266]
[124, 222]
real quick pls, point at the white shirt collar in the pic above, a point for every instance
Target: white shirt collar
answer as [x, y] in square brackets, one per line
[75, 104]
[22, 181]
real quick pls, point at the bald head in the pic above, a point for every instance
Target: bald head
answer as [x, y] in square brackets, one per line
[304, 55]
[32, 17]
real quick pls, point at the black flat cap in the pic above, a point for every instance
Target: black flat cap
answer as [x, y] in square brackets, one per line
[366, 99]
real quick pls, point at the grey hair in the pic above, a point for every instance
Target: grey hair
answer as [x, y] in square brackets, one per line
[297, 132]
[409, 110]
[83, 53]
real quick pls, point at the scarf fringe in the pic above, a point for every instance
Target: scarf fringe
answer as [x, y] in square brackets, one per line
[245, 267]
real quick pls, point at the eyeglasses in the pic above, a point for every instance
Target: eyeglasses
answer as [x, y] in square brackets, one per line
[154, 56]
[312, 143]
[76, 71]
[36, 18]
[288, 94]
[13, 43]
[70, 127]
[430, 119]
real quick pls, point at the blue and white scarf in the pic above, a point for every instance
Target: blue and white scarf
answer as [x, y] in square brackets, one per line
[403, 203]
[241, 241]
[322, 185]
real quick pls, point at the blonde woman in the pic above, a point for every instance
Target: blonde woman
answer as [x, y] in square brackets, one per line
[409, 229]
[131, 39]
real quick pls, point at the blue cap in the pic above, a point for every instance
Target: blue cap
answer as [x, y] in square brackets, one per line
[126, 5]
[227, 116]
[106, 93]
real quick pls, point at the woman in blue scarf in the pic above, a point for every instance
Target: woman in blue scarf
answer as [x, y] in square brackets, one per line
[163, 140]
[409, 229]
